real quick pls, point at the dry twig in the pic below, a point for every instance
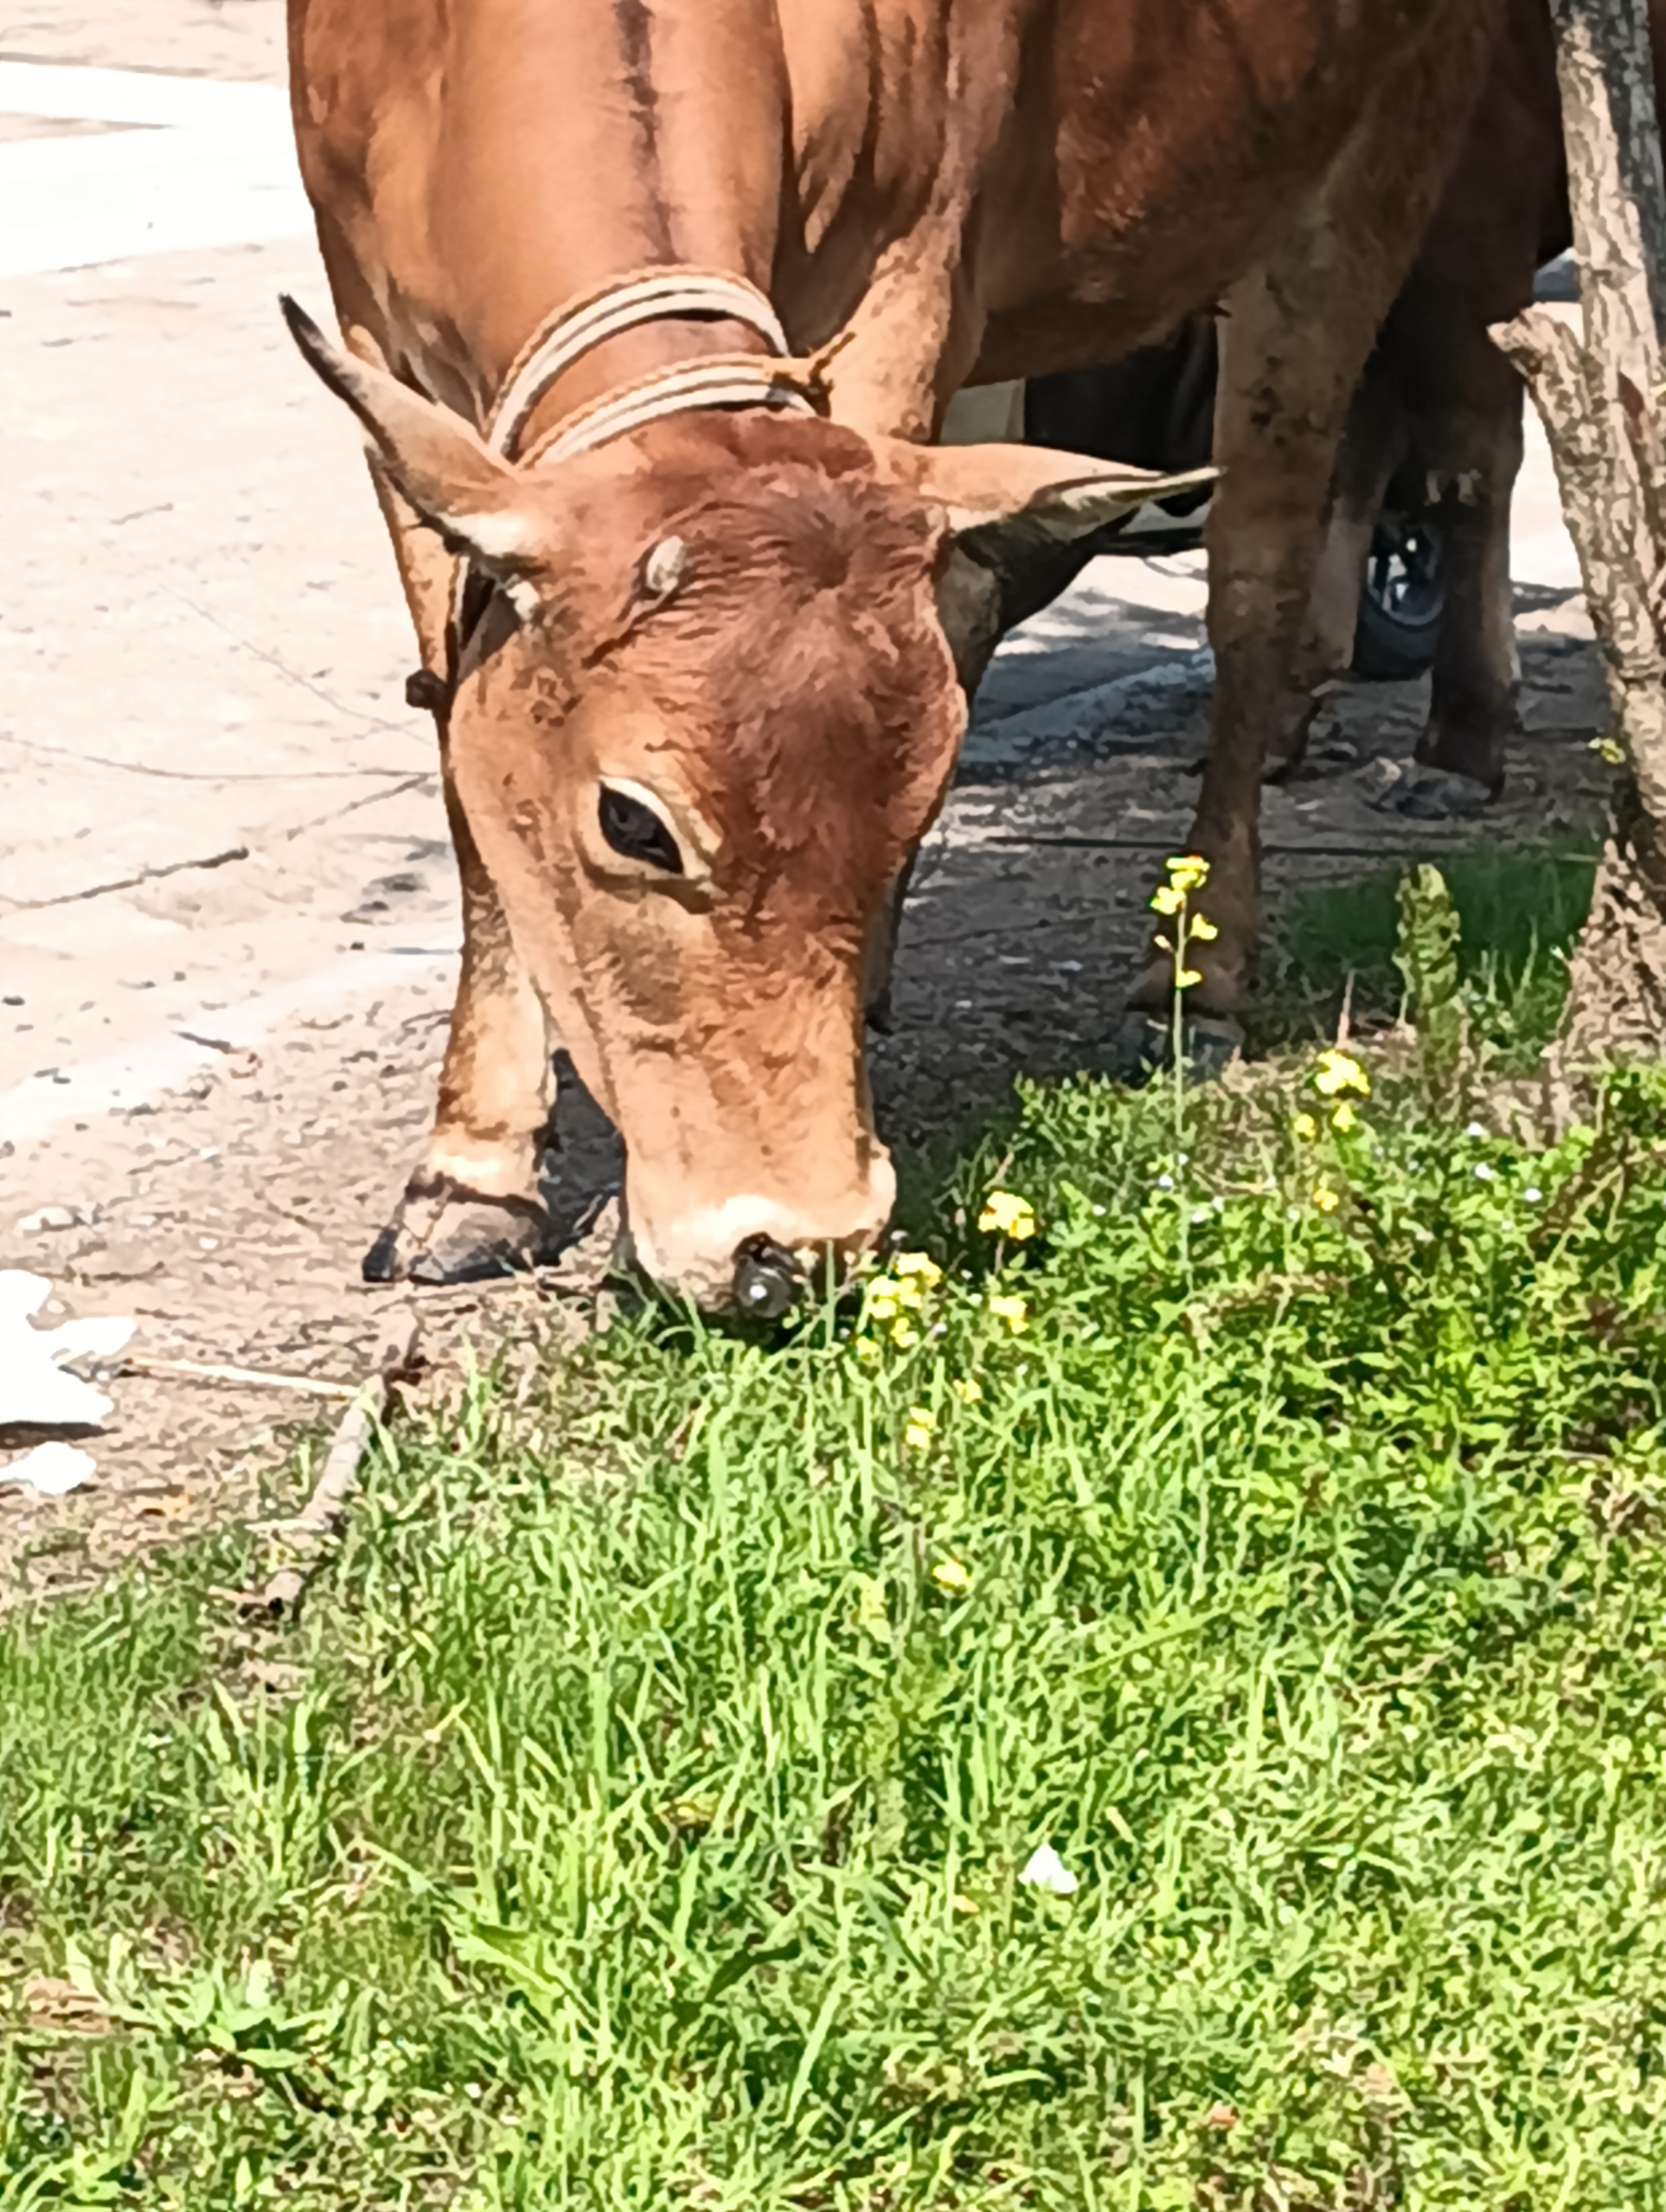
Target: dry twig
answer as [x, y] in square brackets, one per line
[319, 1518]
[201, 1370]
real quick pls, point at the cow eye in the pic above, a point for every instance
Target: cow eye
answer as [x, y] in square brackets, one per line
[636, 831]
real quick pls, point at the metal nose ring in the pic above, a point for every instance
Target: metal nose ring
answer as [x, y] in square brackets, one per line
[767, 1279]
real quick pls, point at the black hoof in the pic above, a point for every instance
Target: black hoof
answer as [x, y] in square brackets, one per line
[443, 1233]
[380, 1263]
[1428, 794]
[1437, 794]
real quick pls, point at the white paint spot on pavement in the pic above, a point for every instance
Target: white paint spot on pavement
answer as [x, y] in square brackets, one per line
[50, 1470]
[193, 163]
[35, 1388]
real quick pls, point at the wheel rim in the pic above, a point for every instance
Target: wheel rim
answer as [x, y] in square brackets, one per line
[1403, 577]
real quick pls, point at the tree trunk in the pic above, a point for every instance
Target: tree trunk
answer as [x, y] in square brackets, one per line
[1598, 396]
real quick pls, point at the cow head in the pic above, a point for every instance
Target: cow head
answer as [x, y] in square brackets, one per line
[708, 713]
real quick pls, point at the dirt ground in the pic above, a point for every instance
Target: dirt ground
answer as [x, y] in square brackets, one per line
[227, 915]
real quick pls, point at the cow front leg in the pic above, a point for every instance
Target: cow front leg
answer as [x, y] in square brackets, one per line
[473, 1208]
[1295, 337]
[879, 966]
[1286, 373]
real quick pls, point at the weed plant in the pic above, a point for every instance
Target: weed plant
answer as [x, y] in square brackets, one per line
[1161, 1703]
[1520, 910]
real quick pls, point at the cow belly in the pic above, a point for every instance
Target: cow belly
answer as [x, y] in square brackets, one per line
[1171, 165]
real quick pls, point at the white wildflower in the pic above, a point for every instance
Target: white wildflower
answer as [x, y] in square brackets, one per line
[1045, 1870]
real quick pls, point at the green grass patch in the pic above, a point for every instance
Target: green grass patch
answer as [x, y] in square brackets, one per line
[644, 1820]
[1519, 910]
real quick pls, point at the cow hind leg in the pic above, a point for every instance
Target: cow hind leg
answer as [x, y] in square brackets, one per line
[1473, 706]
[1371, 446]
[1288, 371]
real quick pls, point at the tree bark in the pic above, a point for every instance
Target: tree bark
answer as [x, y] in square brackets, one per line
[1598, 395]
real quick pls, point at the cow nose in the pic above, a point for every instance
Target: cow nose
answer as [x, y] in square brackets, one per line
[767, 1278]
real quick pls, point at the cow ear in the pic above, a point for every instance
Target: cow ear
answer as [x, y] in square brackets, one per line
[1012, 512]
[1007, 499]
[480, 506]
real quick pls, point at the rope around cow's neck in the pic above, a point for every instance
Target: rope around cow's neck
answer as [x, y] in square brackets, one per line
[738, 379]
[624, 304]
[714, 381]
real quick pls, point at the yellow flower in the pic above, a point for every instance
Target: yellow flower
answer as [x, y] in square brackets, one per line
[950, 1575]
[887, 1300]
[1345, 1117]
[1186, 977]
[1015, 1312]
[1203, 929]
[904, 1334]
[867, 1350]
[964, 1903]
[918, 1433]
[1326, 1200]
[968, 1389]
[1189, 872]
[1335, 1072]
[1004, 1215]
[1165, 899]
[918, 1267]
[1306, 1128]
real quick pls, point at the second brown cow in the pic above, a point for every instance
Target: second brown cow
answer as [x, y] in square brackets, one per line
[1438, 417]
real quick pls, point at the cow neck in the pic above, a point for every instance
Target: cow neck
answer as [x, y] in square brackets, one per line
[657, 295]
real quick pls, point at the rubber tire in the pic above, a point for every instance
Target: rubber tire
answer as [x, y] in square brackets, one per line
[1389, 648]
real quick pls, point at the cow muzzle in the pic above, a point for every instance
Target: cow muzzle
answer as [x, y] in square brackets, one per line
[751, 1256]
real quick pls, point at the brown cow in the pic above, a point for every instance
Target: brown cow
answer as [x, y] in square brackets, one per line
[1441, 405]
[1438, 412]
[704, 691]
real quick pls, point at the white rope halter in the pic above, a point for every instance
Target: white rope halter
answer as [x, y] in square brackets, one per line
[658, 295]
[714, 381]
